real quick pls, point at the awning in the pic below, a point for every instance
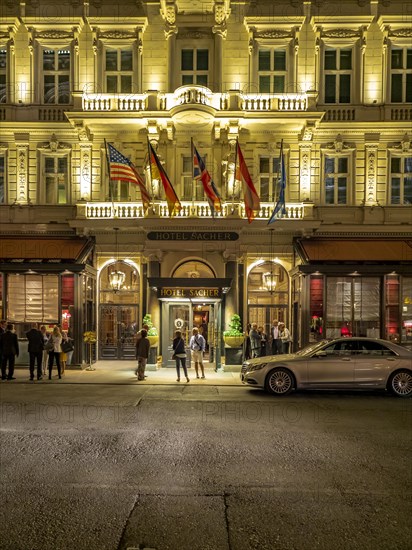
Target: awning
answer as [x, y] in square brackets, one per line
[354, 250]
[44, 253]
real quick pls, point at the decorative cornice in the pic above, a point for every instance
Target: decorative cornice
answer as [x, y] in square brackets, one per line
[117, 35]
[275, 33]
[195, 35]
[340, 33]
[54, 145]
[54, 35]
[401, 33]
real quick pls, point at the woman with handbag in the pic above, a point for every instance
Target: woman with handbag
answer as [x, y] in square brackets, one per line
[54, 353]
[284, 335]
[67, 350]
[179, 355]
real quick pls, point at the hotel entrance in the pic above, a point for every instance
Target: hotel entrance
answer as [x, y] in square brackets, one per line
[184, 316]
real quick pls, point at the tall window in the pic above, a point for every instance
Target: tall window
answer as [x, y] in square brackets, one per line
[192, 190]
[337, 74]
[336, 179]
[268, 177]
[401, 75]
[56, 179]
[56, 76]
[401, 180]
[3, 75]
[119, 71]
[33, 298]
[2, 179]
[272, 71]
[195, 66]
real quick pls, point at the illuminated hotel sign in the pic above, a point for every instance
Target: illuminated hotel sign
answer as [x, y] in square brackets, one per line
[189, 292]
[192, 236]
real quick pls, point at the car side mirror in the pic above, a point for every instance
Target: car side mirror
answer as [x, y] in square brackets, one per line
[321, 353]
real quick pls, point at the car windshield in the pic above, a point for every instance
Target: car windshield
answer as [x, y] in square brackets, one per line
[312, 348]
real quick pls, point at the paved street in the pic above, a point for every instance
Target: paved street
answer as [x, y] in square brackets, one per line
[202, 467]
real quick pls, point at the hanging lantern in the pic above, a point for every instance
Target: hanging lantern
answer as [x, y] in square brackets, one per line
[117, 277]
[269, 280]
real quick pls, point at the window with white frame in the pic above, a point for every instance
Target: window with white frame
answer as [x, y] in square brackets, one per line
[401, 180]
[337, 74]
[336, 179]
[401, 75]
[268, 178]
[194, 66]
[56, 75]
[118, 65]
[272, 70]
[33, 298]
[3, 75]
[56, 179]
[2, 179]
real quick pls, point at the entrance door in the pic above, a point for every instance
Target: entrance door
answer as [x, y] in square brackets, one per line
[117, 331]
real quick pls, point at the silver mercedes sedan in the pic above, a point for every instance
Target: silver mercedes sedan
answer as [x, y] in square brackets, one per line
[343, 363]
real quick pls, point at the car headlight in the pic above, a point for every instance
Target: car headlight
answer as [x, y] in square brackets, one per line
[259, 366]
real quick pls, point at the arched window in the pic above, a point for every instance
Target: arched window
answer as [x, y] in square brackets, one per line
[194, 269]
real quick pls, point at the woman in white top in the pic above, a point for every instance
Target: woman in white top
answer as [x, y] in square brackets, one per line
[56, 338]
[197, 345]
[284, 335]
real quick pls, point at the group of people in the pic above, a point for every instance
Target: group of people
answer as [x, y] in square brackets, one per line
[197, 345]
[257, 341]
[44, 348]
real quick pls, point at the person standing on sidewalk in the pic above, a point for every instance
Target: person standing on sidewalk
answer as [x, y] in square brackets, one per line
[9, 346]
[142, 354]
[56, 339]
[180, 355]
[255, 340]
[197, 346]
[35, 349]
[45, 356]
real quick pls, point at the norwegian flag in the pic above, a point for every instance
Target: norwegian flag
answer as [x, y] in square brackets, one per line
[200, 173]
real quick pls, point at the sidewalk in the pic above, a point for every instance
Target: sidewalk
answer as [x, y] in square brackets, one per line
[122, 372]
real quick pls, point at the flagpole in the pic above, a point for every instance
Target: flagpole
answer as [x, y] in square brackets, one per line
[110, 179]
[192, 151]
[234, 177]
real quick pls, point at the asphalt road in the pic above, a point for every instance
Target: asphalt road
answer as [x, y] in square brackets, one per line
[203, 468]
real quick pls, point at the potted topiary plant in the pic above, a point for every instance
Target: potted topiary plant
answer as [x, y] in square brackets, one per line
[234, 336]
[152, 333]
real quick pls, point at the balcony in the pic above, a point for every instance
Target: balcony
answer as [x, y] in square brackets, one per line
[233, 100]
[190, 210]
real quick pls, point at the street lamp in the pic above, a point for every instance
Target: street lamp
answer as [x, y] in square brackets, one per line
[116, 277]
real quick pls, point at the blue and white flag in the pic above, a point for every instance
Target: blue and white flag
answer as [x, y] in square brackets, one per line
[280, 208]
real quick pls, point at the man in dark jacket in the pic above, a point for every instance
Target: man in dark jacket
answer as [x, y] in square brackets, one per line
[35, 349]
[2, 331]
[9, 346]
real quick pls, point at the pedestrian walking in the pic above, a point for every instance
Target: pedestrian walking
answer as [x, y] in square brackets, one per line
[142, 354]
[35, 349]
[54, 353]
[45, 354]
[276, 340]
[285, 337]
[9, 346]
[197, 346]
[255, 340]
[180, 355]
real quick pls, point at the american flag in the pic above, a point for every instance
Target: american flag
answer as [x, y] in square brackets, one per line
[121, 168]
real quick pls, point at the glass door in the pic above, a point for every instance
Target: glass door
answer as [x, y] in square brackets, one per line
[117, 331]
[180, 318]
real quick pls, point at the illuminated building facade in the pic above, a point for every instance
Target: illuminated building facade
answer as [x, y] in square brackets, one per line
[331, 80]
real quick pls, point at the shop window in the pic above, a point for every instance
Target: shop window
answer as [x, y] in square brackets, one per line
[352, 307]
[194, 66]
[3, 75]
[392, 328]
[316, 307]
[336, 179]
[119, 70]
[337, 75]
[401, 180]
[56, 179]
[2, 179]
[56, 76]
[33, 298]
[407, 310]
[272, 71]
[401, 75]
[268, 178]
[67, 301]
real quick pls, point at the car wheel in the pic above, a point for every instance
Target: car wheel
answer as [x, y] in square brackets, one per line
[400, 383]
[280, 382]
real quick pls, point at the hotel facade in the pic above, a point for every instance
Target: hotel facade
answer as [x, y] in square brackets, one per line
[330, 81]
